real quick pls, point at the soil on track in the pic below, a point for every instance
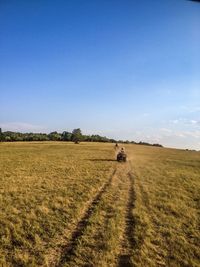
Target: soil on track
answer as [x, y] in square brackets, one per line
[128, 242]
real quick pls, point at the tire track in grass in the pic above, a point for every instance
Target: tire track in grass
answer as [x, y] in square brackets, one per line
[128, 242]
[68, 249]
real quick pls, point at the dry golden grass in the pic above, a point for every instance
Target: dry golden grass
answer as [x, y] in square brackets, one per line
[167, 207]
[73, 205]
[44, 188]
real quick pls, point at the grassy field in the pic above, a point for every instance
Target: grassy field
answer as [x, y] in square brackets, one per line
[74, 205]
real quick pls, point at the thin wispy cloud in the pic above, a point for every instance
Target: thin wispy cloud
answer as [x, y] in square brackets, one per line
[190, 109]
[185, 122]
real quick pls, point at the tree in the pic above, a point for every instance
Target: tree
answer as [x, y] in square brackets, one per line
[66, 136]
[1, 135]
[54, 136]
[76, 135]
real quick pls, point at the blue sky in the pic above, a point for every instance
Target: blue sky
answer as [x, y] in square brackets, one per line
[124, 69]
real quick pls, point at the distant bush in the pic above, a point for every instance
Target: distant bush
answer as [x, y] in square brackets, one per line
[148, 144]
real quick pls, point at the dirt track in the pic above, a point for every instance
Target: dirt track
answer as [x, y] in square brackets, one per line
[69, 248]
[128, 240]
[122, 182]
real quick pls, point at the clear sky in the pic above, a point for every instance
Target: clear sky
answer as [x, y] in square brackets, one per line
[125, 69]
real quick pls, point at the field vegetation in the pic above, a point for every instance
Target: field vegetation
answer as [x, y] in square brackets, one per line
[64, 204]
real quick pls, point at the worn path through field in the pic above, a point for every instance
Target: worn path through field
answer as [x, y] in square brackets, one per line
[119, 196]
[127, 243]
[69, 248]
[65, 247]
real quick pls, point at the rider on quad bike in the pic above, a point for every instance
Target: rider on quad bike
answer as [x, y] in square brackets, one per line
[121, 156]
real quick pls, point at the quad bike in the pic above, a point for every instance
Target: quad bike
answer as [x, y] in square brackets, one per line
[121, 156]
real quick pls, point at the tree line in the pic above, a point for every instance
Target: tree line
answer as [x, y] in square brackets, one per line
[75, 136]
